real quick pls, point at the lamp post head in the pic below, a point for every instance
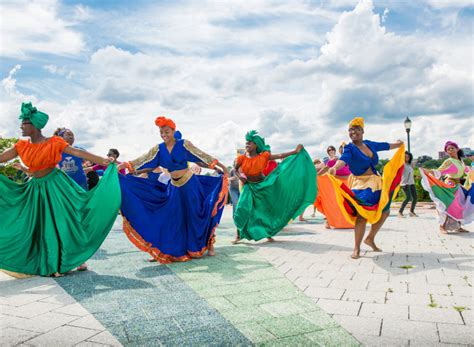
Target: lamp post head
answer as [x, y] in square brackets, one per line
[407, 124]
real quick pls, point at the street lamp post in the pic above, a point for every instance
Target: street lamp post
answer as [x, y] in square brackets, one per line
[407, 124]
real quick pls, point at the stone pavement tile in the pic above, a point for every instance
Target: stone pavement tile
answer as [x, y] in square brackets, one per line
[349, 284]
[65, 335]
[200, 337]
[105, 338]
[187, 323]
[300, 340]
[303, 282]
[220, 303]
[364, 296]
[350, 308]
[21, 298]
[461, 291]
[90, 344]
[89, 322]
[47, 321]
[246, 314]
[357, 268]
[408, 299]
[424, 288]
[414, 330]
[435, 314]
[247, 300]
[288, 326]
[445, 280]
[10, 285]
[370, 277]
[421, 343]
[73, 309]
[370, 326]
[254, 332]
[284, 292]
[11, 321]
[392, 286]
[293, 274]
[317, 268]
[377, 341]
[386, 311]
[29, 310]
[468, 316]
[451, 301]
[320, 318]
[60, 299]
[325, 293]
[288, 307]
[452, 333]
[333, 337]
[11, 336]
[331, 275]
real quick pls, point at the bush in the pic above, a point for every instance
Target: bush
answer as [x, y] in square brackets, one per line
[7, 169]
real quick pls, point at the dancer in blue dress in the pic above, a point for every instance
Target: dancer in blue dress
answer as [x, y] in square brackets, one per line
[176, 221]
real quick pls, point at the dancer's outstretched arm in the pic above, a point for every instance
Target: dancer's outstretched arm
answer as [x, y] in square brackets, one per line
[332, 171]
[223, 167]
[286, 154]
[396, 144]
[8, 155]
[87, 156]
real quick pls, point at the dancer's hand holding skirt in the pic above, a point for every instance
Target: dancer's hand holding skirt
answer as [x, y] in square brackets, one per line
[266, 207]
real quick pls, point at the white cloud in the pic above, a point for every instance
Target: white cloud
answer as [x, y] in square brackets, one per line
[218, 78]
[443, 4]
[30, 27]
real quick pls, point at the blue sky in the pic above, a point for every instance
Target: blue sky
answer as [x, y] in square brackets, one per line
[295, 70]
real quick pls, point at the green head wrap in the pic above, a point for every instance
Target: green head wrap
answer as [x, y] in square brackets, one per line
[258, 140]
[37, 118]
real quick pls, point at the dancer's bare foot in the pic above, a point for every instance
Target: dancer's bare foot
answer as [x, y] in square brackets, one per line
[210, 251]
[152, 260]
[313, 215]
[327, 226]
[83, 267]
[400, 215]
[413, 214]
[301, 219]
[270, 239]
[57, 274]
[355, 254]
[236, 241]
[442, 230]
[371, 244]
[462, 230]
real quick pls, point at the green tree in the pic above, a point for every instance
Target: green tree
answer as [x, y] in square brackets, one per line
[7, 169]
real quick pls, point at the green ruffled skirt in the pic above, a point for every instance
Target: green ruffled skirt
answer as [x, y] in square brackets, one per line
[51, 224]
[266, 207]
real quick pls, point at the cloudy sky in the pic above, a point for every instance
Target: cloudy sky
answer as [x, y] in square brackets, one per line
[297, 71]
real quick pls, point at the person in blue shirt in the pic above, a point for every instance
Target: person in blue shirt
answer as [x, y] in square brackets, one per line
[70, 164]
[370, 195]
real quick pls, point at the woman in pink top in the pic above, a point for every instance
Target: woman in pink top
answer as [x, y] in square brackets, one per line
[343, 172]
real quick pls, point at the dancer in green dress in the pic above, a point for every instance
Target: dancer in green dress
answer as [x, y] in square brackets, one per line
[268, 203]
[50, 225]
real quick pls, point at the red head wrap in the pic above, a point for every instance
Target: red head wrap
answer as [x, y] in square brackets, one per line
[163, 122]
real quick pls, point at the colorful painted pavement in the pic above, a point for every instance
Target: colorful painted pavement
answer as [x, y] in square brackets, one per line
[234, 298]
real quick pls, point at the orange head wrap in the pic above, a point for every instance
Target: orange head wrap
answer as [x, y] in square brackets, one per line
[163, 122]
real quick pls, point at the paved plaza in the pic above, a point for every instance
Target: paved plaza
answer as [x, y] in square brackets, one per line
[302, 290]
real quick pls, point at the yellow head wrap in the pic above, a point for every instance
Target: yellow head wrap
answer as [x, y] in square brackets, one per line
[357, 122]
